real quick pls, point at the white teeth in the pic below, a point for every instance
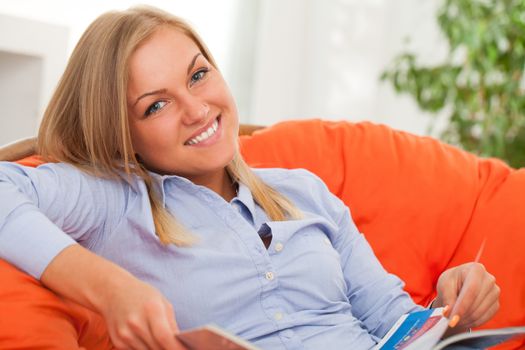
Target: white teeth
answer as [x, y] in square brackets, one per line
[205, 134]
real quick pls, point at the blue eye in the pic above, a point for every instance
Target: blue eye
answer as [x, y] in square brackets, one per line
[155, 107]
[198, 76]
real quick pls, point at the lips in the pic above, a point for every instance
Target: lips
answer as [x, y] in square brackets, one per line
[204, 133]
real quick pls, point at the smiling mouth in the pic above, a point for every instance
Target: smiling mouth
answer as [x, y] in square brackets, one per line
[206, 134]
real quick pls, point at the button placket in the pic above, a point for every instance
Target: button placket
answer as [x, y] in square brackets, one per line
[231, 216]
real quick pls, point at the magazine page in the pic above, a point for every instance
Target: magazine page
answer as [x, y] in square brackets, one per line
[422, 330]
[212, 338]
[415, 331]
[481, 339]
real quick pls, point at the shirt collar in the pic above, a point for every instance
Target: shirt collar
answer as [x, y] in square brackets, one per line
[244, 195]
[159, 184]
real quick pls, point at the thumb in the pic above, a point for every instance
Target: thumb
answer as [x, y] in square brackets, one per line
[448, 287]
[170, 316]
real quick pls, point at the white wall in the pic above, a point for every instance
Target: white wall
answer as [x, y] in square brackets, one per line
[20, 106]
[283, 58]
[45, 32]
[212, 19]
[32, 57]
[323, 58]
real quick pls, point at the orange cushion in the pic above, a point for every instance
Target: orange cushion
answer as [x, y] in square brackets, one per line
[424, 206]
[32, 161]
[33, 317]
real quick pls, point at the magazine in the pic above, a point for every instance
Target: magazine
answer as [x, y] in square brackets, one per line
[423, 330]
[420, 330]
[212, 338]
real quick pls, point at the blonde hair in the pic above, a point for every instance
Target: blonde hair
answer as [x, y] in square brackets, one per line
[89, 105]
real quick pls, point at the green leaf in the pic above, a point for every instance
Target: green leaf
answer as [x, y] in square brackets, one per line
[486, 91]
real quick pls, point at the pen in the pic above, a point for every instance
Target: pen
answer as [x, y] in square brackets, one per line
[455, 318]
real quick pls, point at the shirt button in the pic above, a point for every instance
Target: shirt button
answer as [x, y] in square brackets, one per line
[269, 275]
[278, 316]
[278, 247]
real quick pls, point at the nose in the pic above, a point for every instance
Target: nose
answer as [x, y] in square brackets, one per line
[194, 111]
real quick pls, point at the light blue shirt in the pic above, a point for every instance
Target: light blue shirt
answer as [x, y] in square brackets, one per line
[317, 286]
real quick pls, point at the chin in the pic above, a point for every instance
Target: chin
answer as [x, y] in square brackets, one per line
[224, 161]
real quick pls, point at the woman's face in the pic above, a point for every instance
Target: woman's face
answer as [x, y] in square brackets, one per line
[182, 117]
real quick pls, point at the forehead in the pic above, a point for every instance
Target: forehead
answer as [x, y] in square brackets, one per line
[166, 50]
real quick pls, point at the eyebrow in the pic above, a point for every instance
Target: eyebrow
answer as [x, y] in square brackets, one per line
[190, 67]
[163, 91]
[156, 92]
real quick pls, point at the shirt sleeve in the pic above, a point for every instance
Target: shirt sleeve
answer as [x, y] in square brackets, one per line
[46, 209]
[377, 297]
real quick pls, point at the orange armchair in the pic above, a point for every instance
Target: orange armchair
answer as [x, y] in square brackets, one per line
[424, 206]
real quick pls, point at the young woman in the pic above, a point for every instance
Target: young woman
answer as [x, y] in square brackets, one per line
[149, 215]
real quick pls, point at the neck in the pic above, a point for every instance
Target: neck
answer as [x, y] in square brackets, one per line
[220, 183]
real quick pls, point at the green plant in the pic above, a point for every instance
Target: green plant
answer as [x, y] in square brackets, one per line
[481, 82]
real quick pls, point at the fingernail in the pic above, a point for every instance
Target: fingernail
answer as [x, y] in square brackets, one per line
[446, 310]
[453, 321]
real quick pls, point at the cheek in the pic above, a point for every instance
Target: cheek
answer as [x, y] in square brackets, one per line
[151, 137]
[221, 95]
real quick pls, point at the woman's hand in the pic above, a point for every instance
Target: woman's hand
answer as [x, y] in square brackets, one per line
[139, 317]
[471, 294]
